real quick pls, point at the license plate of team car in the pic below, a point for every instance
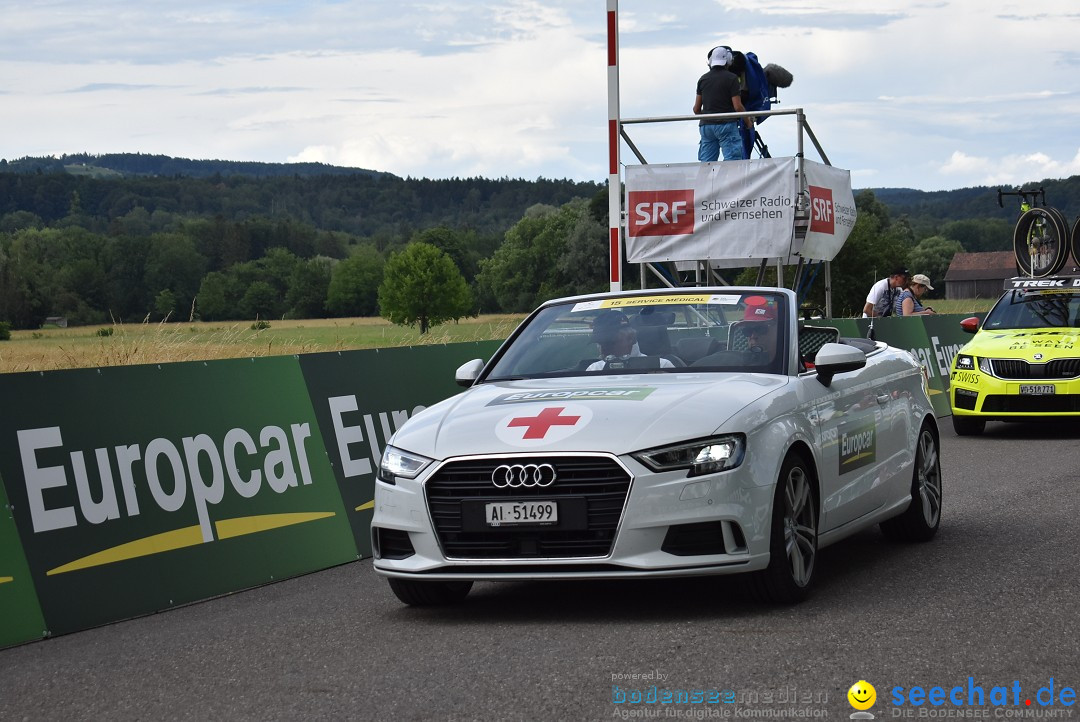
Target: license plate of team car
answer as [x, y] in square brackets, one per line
[505, 513]
[1037, 389]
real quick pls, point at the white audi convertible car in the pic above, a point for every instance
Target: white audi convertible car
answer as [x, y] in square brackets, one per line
[658, 433]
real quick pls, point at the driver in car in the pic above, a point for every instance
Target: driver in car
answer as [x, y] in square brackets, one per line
[617, 339]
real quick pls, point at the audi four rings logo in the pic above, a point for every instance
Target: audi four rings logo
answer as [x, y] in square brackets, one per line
[516, 476]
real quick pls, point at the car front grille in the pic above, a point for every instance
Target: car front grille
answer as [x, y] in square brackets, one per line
[1050, 404]
[590, 492]
[1010, 368]
[1062, 368]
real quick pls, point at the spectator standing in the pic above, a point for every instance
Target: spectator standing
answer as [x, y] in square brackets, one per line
[881, 301]
[718, 91]
[908, 304]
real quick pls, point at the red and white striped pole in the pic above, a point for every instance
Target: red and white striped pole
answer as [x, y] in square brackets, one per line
[614, 186]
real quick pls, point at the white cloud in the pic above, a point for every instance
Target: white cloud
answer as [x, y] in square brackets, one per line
[1011, 169]
[901, 93]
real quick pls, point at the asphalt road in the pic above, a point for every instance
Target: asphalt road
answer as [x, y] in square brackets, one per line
[994, 597]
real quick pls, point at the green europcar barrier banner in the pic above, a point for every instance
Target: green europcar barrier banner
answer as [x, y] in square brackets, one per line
[362, 397]
[130, 490]
[20, 613]
[934, 340]
[136, 489]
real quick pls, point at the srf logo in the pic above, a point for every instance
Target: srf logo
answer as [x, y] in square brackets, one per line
[821, 210]
[661, 213]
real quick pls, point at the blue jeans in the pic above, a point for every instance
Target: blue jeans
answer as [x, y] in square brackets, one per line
[720, 136]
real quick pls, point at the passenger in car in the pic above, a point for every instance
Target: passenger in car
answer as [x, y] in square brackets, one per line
[618, 343]
[759, 329]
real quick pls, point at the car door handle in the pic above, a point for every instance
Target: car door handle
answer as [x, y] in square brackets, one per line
[883, 398]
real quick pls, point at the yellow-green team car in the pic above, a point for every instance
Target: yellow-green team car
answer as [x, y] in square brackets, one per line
[1024, 362]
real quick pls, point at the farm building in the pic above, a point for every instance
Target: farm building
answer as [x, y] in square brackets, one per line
[979, 275]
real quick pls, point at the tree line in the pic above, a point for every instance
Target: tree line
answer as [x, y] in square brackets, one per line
[241, 247]
[129, 249]
[110, 165]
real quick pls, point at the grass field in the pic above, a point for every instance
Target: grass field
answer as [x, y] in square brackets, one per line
[51, 349]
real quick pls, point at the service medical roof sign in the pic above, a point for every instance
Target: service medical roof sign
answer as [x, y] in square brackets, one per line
[733, 210]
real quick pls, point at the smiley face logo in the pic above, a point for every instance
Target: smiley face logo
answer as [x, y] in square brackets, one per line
[862, 695]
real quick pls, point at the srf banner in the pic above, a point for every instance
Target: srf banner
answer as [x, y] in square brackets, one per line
[698, 211]
[734, 211]
[832, 211]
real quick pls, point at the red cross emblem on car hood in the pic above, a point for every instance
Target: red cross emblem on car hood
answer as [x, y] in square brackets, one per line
[538, 426]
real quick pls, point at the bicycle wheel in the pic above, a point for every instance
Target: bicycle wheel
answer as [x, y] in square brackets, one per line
[1074, 242]
[1040, 243]
[1065, 225]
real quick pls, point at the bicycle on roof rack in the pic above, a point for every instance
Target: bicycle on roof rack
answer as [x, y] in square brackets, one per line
[1041, 236]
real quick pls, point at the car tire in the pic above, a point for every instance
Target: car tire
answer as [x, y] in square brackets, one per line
[792, 537]
[967, 426]
[429, 594]
[920, 521]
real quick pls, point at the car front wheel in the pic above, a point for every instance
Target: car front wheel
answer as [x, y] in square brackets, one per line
[967, 426]
[920, 521]
[429, 594]
[793, 538]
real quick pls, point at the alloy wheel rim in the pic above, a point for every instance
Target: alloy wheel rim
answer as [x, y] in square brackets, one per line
[800, 527]
[929, 481]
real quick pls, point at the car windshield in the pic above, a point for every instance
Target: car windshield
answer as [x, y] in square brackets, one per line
[1035, 309]
[736, 331]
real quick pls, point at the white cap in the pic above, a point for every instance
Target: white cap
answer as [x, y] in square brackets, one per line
[922, 280]
[719, 56]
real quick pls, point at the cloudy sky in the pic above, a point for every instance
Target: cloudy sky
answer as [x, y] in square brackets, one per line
[928, 94]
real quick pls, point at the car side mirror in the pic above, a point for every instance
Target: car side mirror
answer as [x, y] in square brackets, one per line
[970, 325]
[468, 372]
[837, 358]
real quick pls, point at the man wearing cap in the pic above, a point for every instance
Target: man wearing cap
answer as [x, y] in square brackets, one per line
[617, 339]
[718, 92]
[881, 301]
[759, 328]
[907, 303]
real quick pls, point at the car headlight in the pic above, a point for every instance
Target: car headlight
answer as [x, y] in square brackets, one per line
[396, 462]
[705, 456]
[965, 362]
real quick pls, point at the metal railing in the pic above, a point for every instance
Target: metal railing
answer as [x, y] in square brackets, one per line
[705, 273]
